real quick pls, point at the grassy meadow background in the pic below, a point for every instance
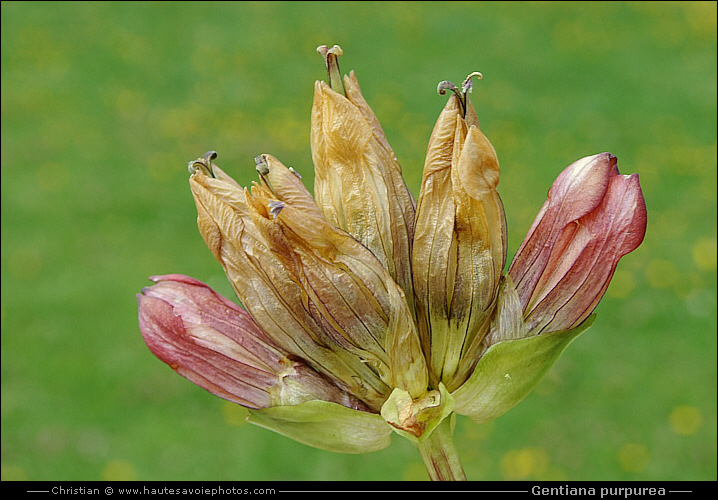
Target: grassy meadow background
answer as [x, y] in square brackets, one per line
[104, 103]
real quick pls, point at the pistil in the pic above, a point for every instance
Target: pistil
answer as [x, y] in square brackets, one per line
[331, 61]
[204, 164]
[466, 88]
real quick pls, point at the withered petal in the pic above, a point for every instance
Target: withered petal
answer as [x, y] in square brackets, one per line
[346, 289]
[358, 182]
[269, 291]
[459, 244]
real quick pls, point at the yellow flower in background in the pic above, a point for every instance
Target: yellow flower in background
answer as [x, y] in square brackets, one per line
[367, 313]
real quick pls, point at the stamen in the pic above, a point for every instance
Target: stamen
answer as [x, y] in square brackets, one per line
[275, 206]
[468, 84]
[204, 164]
[331, 61]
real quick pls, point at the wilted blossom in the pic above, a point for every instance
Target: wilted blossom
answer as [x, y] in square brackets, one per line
[367, 313]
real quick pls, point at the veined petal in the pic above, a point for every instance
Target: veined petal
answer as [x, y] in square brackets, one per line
[592, 247]
[480, 228]
[571, 252]
[214, 343]
[267, 290]
[346, 290]
[434, 251]
[577, 191]
[358, 182]
[285, 184]
[459, 244]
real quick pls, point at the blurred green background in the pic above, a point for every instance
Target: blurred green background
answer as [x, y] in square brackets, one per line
[104, 103]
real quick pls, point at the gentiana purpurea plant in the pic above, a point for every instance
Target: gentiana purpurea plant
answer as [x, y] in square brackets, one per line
[367, 313]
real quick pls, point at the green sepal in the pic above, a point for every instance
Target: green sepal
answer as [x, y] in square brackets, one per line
[325, 425]
[416, 419]
[509, 370]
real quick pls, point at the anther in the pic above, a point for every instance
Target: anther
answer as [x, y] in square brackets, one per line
[275, 206]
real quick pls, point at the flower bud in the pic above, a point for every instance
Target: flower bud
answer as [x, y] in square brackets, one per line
[592, 217]
[213, 342]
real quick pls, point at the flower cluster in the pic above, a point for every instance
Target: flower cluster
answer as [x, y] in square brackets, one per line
[366, 312]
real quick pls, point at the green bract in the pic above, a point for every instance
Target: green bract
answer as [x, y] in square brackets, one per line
[509, 370]
[328, 426]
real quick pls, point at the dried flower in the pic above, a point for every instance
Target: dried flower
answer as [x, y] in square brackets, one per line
[460, 242]
[366, 313]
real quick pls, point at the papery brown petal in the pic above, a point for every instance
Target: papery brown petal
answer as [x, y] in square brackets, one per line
[298, 241]
[285, 184]
[339, 136]
[403, 206]
[459, 244]
[358, 183]
[268, 291]
[433, 257]
[480, 229]
[347, 290]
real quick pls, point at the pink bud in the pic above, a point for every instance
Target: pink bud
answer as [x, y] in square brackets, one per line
[592, 217]
[214, 343]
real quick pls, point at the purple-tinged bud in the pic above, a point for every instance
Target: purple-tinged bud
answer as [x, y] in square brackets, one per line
[214, 343]
[592, 217]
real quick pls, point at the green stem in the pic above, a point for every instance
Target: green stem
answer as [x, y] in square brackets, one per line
[439, 453]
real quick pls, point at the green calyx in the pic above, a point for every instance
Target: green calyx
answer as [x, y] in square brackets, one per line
[506, 373]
